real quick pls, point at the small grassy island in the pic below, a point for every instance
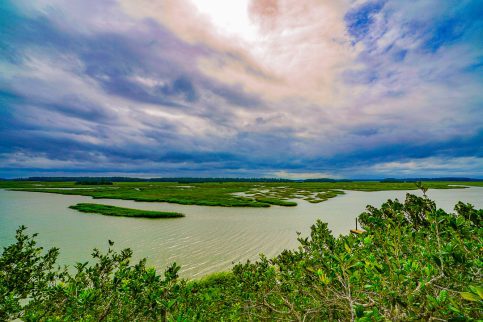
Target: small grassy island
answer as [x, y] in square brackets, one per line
[107, 210]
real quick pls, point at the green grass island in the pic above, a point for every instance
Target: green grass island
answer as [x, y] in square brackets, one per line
[107, 210]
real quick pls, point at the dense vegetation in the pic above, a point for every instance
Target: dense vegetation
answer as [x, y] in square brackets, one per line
[413, 262]
[226, 194]
[107, 210]
[172, 179]
[94, 182]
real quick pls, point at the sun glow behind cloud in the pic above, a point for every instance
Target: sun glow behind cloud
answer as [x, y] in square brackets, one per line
[230, 18]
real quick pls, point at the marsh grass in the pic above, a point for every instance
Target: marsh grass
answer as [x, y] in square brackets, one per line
[224, 194]
[107, 210]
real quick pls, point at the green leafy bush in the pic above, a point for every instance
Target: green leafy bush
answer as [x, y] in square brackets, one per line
[412, 262]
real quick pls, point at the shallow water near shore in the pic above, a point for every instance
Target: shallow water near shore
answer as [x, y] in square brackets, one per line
[208, 239]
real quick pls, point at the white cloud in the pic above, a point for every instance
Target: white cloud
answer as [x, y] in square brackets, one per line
[432, 166]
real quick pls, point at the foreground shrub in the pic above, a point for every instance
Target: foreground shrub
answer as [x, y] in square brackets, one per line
[413, 262]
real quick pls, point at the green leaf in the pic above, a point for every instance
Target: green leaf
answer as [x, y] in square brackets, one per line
[477, 290]
[470, 296]
[452, 308]
[347, 248]
[443, 296]
[367, 240]
[170, 303]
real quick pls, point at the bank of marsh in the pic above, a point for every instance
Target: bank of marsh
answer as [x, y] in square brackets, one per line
[224, 194]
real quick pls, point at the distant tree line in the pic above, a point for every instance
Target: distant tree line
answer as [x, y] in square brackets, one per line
[411, 180]
[89, 180]
[327, 180]
[215, 179]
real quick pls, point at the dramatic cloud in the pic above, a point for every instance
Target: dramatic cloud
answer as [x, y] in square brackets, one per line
[297, 89]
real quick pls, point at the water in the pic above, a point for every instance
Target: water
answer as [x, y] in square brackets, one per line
[208, 239]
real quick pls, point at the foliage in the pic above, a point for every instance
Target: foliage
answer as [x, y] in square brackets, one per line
[107, 210]
[25, 274]
[412, 262]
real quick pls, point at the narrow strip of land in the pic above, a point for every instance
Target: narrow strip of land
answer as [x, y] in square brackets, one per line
[107, 210]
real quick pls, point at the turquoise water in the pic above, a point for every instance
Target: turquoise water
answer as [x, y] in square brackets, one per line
[208, 239]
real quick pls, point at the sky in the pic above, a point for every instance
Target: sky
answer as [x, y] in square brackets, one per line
[241, 88]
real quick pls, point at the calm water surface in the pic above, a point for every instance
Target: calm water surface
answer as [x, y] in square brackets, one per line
[208, 239]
